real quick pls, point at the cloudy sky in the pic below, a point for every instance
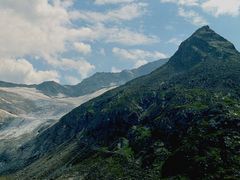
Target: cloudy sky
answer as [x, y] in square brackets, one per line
[68, 40]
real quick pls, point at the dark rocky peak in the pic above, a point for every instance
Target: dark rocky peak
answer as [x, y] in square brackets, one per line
[203, 45]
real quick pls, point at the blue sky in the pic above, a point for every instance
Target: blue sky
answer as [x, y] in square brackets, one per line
[69, 40]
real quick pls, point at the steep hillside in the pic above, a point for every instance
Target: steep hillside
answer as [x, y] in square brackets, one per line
[181, 122]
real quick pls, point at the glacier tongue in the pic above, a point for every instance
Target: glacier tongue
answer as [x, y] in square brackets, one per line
[24, 112]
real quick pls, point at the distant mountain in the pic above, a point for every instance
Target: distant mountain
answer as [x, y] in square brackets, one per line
[93, 83]
[51, 88]
[102, 80]
[179, 122]
[8, 84]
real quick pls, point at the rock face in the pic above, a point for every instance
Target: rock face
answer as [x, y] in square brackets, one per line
[180, 121]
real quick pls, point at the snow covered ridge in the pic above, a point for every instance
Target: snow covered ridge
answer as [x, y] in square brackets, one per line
[23, 111]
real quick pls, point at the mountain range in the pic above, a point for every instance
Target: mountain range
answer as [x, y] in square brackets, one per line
[179, 122]
[93, 83]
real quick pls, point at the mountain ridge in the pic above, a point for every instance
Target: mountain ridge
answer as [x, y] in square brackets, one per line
[91, 84]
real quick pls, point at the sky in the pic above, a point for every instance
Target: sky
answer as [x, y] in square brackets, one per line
[68, 40]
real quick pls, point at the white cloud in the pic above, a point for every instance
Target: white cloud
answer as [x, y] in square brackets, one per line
[115, 35]
[222, 7]
[175, 41]
[124, 13]
[115, 32]
[115, 70]
[192, 17]
[38, 28]
[189, 15]
[21, 71]
[72, 80]
[33, 27]
[140, 63]
[137, 56]
[83, 48]
[127, 37]
[182, 2]
[214, 7]
[42, 29]
[81, 66]
[103, 2]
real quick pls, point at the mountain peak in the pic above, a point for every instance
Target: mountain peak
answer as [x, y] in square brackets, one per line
[204, 28]
[51, 88]
[207, 34]
[48, 83]
[204, 45]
